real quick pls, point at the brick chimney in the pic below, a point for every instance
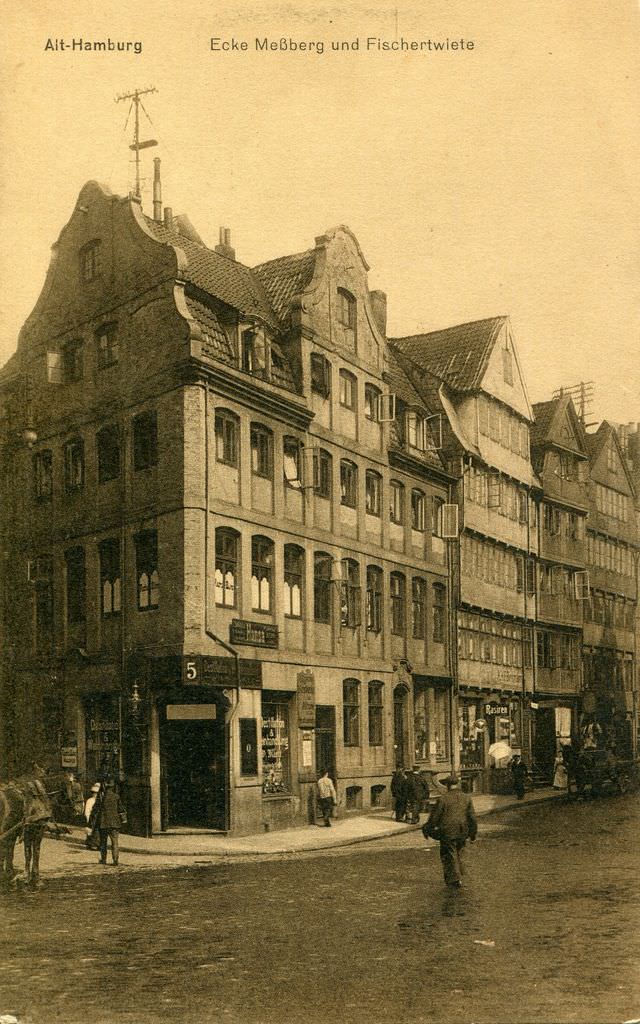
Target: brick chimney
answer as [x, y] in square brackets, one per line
[224, 245]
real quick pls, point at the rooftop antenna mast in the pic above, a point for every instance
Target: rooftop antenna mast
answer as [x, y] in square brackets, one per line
[137, 145]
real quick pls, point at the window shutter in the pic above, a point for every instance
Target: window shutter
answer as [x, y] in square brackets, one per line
[449, 521]
[386, 411]
[582, 585]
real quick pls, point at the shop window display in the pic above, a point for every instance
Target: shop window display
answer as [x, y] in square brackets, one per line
[276, 753]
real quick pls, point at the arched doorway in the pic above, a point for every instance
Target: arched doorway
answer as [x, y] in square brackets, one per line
[401, 725]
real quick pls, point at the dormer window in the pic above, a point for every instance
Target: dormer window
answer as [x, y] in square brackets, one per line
[254, 352]
[346, 309]
[416, 428]
[91, 260]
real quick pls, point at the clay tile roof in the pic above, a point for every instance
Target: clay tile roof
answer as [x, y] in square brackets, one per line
[286, 277]
[215, 342]
[400, 384]
[544, 413]
[458, 355]
[218, 275]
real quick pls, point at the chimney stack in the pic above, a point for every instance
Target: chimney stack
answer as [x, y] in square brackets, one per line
[224, 245]
[168, 218]
[157, 191]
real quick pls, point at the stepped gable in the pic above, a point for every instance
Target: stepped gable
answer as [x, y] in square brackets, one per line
[286, 277]
[458, 355]
[225, 279]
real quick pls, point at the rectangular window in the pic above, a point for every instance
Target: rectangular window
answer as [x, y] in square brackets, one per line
[145, 440]
[346, 311]
[147, 573]
[439, 612]
[293, 576]
[373, 487]
[276, 747]
[76, 585]
[351, 712]
[43, 474]
[350, 594]
[348, 484]
[44, 616]
[322, 473]
[418, 608]
[108, 452]
[396, 507]
[261, 451]
[107, 342]
[374, 599]
[226, 570]
[376, 714]
[261, 573]
[371, 402]
[347, 390]
[91, 261]
[72, 361]
[74, 465]
[441, 723]
[110, 577]
[397, 594]
[226, 430]
[416, 430]
[322, 565]
[320, 375]
[292, 462]
[254, 352]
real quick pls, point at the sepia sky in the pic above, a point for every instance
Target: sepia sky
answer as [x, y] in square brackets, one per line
[498, 180]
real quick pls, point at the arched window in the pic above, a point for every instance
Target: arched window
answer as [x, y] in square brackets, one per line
[376, 713]
[418, 608]
[350, 593]
[227, 430]
[346, 311]
[261, 573]
[396, 503]
[293, 578]
[322, 564]
[226, 571]
[373, 492]
[372, 402]
[110, 576]
[261, 451]
[374, 598]
[146, 545]
[418, 510]
[91, 260]
[351, 712]
[292, 451]
[348, 389]
[348, 483]
[398, 598]
[108, 452]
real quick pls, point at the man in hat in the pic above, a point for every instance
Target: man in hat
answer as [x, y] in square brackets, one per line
[417, 792]
[452, 821]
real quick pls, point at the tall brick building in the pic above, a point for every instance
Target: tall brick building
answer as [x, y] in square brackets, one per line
[225, 503]
[247, 537]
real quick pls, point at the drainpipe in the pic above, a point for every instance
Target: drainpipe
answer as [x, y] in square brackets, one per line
[208, 632]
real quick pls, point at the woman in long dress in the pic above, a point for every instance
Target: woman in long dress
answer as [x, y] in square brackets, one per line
[560, 772]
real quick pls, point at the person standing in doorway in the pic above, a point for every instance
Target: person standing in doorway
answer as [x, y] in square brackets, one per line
[452, 821]
[326, 797]
[111, 817]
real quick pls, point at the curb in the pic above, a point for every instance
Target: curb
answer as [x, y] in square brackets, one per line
[351, 841]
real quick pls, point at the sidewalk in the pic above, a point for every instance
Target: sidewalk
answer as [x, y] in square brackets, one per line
[176, 849]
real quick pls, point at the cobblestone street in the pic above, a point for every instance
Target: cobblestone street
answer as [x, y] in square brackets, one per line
[546, 929]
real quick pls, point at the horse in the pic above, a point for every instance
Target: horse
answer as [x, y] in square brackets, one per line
[25, 810]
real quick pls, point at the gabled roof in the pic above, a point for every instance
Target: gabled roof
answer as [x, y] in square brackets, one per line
[549, 422]
[458, 355]
[225, 279]
[285, 277]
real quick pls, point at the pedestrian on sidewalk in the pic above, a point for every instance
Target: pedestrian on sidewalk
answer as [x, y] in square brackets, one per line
[399, 793]
[559, 772]
[111, 817]
[417, 793]
[452, 821]
[326, 796]
[519, 773]
[92, 840]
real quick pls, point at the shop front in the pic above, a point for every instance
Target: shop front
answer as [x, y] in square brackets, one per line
[489, 734]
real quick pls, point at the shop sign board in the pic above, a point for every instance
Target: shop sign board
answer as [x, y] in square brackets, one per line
[307, 749]
[253, 634]
[212, 670]
[69, 757]
[190, 712]
[496, 709]
[306, 699]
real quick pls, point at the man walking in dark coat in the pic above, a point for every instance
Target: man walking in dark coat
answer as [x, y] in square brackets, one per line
[452, 821]
[110, 816]
[399, 793]
[519, 773]
[417, 793]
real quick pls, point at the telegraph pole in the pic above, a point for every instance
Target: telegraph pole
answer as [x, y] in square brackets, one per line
[137, 145]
